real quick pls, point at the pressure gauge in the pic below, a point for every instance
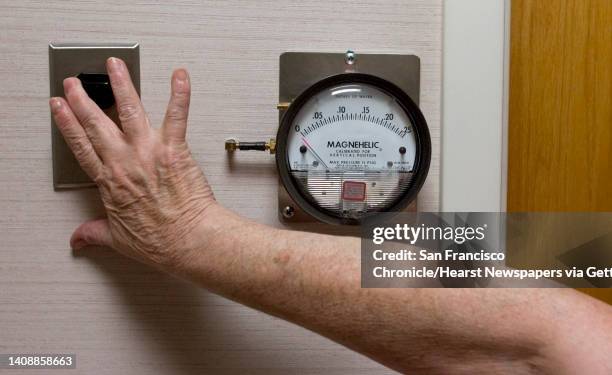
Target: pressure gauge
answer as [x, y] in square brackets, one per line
[352, 145]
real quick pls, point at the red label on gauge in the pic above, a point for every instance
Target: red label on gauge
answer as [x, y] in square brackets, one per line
[354, 191]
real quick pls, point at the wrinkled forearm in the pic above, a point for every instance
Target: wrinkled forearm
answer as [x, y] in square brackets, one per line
[298, 276]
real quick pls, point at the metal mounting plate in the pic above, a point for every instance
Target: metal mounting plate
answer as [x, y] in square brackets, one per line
[69, 60]
[300, 70]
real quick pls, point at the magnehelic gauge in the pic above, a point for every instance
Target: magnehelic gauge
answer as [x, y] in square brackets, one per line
[349, 146]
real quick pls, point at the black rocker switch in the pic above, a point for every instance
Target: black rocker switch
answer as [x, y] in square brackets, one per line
[87, 62]
[97, 86]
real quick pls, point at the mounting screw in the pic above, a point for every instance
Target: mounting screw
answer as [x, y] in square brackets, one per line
[350, 57]
[288, 212]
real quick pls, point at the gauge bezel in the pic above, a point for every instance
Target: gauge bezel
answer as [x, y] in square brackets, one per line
[420, 130]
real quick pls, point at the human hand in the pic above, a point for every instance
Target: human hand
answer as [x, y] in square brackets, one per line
[154, 193]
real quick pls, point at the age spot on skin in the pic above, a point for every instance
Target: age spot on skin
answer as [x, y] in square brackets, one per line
[282, 258]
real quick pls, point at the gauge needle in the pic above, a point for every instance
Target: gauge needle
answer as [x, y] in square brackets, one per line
[314, 152]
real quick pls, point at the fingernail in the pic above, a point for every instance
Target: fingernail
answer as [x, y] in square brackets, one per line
[55, 104]
[181, 75]
[114, 64]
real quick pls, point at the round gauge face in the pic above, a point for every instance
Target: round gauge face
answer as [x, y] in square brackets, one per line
[352, 145]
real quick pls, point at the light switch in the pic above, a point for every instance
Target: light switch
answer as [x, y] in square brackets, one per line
[88, 63]
[98, 87]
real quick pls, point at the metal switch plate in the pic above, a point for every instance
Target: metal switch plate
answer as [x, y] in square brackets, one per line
[300, 70]
[88, 60]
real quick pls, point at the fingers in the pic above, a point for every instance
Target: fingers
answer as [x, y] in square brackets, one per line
[101, 131]
[75, 137]
[129, 107]
[175, 122]
[93, 232]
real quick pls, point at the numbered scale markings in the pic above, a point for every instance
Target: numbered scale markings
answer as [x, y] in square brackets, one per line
[352, 145]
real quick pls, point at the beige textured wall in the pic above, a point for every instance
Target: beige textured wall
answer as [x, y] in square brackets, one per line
[120, 317]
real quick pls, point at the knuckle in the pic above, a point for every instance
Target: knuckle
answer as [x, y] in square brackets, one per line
[85, 155]
[90, 120]
[94, 137]
[128, 111]
[181, 97]
[81, 148]
[167, 159]
[177, 113]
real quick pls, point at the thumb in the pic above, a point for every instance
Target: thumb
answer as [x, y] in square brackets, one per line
[92, 232]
